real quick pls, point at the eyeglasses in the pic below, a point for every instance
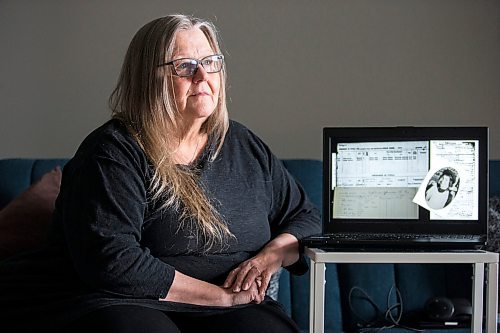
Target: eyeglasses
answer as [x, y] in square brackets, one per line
[188, 67]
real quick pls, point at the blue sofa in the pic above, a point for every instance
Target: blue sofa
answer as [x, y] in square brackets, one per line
[417, 283]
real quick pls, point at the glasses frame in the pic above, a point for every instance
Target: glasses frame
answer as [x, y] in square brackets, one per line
[198, 63]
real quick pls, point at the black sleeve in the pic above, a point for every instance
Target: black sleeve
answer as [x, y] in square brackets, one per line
[291, 210]
[103, 203]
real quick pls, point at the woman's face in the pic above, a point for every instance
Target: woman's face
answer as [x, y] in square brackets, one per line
[444, 182]
[196, 96]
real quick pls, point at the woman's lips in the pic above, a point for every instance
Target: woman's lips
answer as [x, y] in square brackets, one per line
[200, 93]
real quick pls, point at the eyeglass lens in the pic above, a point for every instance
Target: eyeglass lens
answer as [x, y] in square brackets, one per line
[187, 67]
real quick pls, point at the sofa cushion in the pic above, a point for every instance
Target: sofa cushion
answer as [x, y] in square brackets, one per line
[24, 221]
[15, 177]
[494, 225]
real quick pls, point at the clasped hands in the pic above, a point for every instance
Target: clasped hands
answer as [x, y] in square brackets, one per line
[249, 281]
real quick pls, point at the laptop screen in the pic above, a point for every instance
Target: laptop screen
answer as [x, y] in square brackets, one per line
[406, 180]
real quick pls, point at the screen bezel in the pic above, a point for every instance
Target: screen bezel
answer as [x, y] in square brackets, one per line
[334, 135]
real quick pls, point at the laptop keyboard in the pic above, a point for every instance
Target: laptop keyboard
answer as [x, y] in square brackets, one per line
[402, 237]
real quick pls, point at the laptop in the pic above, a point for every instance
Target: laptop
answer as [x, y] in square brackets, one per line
[404, 188]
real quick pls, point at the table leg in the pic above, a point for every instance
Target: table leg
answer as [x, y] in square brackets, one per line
[492, 297]
[318, 300]
[312, 288]
[477, 298]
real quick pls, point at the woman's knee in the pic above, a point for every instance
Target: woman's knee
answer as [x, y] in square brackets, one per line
[124, 319]
[264, 318]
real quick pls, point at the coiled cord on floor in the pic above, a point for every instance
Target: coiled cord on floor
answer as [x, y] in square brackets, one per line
[384, 318]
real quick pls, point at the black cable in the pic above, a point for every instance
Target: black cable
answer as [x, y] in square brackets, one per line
[388, 320]
[366, 323]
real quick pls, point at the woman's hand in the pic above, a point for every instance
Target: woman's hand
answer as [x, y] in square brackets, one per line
[186, 289]
[255, 271]
[251, 295]
[281, 251]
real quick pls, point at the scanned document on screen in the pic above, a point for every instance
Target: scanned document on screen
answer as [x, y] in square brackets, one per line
[375, 203]
[381, 164]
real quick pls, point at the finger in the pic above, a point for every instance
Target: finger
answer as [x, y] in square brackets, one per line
[266, 278]
[256, 297]
[259, 297]
[231, 277]
[237, 285]
[251, 277]
[257, 300]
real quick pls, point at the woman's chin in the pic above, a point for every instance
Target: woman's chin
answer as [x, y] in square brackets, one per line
[199, 115]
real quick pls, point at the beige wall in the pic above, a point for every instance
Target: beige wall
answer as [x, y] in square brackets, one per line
[294, 66]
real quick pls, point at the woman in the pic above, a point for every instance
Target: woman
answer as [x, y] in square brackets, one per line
[170, 218]
[441, 193]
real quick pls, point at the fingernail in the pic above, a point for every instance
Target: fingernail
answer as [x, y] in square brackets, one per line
[236, 289]
[246, 286]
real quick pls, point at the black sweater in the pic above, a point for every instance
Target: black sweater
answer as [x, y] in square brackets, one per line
[110, 243]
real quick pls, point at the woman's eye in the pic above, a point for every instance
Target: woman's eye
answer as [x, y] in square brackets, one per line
[184, 65]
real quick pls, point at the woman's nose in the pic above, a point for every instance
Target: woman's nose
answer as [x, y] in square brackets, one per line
[200, 75]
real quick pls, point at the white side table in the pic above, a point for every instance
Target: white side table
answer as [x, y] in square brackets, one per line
[482, 261]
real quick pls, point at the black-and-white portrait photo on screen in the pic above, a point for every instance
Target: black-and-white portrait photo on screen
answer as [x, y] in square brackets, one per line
[442, 188]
